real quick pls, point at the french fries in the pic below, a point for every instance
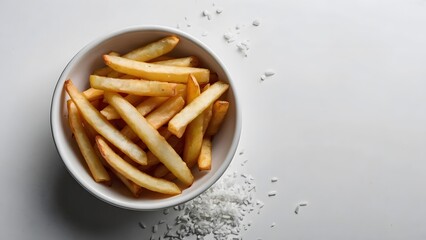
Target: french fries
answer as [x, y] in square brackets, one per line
[133, 174]
[180, 62]
[103, 127]
[156, 72]
[109, 112]
[153, 50]
[205, 157]
[95, 166]
[179, 122]
[150, 136]
[135, 86]
[154, 99]
[194, 131]
[159, 116]
[220, 108]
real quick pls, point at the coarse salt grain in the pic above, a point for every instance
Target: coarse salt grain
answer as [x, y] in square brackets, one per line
[206, 14]
[269, 72]
[155, 228]
[142, 225]
[272, 193]
[273, 225]
[166, 211]
[256, 22]
[219, 10]
[274, 179]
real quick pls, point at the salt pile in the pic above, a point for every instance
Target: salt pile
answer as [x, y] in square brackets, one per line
[219, 212]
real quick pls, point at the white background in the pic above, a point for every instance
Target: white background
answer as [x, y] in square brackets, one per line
[342, 123]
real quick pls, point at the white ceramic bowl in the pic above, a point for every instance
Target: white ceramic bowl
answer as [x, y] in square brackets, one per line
[88, 59]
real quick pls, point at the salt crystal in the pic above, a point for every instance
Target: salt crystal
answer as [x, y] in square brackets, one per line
[262, 77]
[219, 11]
[228, 37]
[169, 227]
[142, 225]
[241, 152]
[273, 225]
[161, 221]
[256, 22]
[155, 228]
[206, 14]
[303, 204]
[296, 210]
[166, 211]
[272, 193]
[274, 179]
[269, 72]
[204, 34]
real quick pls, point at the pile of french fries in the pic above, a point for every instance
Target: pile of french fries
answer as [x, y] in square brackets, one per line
[148, 118]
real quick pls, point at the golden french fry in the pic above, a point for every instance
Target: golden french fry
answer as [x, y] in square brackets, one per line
[135, 189]
[207, 113]
[179, 122]
[110, 113]
[165, 111]
[159, 116]
[205, 158]
[133, 174]
[145, 107]
[156, 72]
[93, 94]
[177, 145]
[134, 86]
[191, 61]
[153, 50]
[115, 74]
[103, 127]
[102, 71]
[145, 53]
[163, 131]
[220, 108]
[194, 130]
[150, 136]
[95, 166]
[105, 70]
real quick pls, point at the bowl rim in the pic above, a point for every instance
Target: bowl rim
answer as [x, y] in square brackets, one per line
[55, 123]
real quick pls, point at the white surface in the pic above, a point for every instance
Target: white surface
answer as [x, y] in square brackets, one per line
[341, 123]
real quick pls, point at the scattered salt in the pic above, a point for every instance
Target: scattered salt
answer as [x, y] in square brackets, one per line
[256, 22]
[206, 14]
[243, 47]
[142, 225]
[229, 37]
[269, 72]
[297, 209]
[303, 204]
[272, 193]
[274, 179]
[219, 11]
[202, 216]
[155, 228]
[262, 77]
[166, 211]
[161, 221]
[273, 225]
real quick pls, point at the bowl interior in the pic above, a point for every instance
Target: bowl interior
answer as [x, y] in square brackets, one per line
[89, 59]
